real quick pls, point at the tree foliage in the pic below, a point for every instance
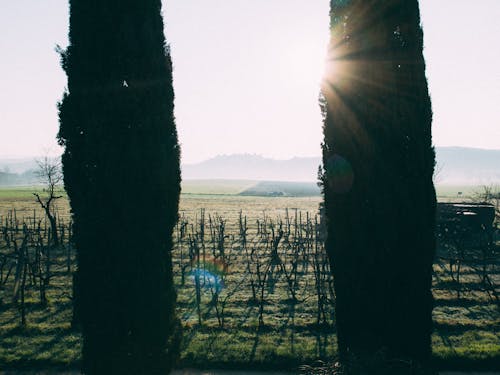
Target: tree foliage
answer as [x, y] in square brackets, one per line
[379, 196]
[121, 173]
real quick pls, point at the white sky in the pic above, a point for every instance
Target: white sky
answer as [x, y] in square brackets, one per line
[246, 74]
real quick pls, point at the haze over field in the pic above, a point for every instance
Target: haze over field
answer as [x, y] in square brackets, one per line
[455, 166]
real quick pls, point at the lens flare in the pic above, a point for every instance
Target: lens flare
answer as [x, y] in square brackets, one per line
[340, 175]
[209, 273]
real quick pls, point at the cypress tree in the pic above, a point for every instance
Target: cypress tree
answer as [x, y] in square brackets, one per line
[379, 195]
[122, 176]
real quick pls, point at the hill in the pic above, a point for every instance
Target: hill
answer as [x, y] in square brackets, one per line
[253, 167]
[467, 166]
[456, 166]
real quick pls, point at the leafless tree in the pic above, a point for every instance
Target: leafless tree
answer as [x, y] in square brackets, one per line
[49, 173]
[489, 194]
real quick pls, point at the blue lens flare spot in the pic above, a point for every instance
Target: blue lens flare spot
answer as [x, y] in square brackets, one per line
[339, 174]
[209, 274]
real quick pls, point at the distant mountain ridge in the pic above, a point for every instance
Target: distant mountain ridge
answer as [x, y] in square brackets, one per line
[455, 165]
[253, 167]
[467, 166]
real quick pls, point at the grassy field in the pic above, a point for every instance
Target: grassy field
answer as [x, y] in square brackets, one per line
[283, 188]
[216, 187]
[457, 192]
[467, 326]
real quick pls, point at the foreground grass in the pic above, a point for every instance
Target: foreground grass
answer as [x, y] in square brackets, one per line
[55, 344]
[466, 336]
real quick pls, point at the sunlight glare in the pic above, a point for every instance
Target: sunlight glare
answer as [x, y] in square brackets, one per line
[306, 63]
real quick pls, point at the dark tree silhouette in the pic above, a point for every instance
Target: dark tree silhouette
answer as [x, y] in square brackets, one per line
[379, 160]
[121, 173]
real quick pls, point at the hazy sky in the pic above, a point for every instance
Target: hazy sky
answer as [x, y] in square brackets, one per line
[246, 74]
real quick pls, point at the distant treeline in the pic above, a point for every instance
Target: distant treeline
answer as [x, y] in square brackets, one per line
[14, 179]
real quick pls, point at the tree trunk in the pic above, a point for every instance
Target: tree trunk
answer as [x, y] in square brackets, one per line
[121, 164]
[379, 196]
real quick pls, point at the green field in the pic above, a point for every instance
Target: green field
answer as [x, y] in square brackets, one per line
[457, 192]
[222, 328]
[22, 193]
[216, 187]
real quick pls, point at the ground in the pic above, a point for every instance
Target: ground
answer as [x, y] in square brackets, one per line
[221, 326]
